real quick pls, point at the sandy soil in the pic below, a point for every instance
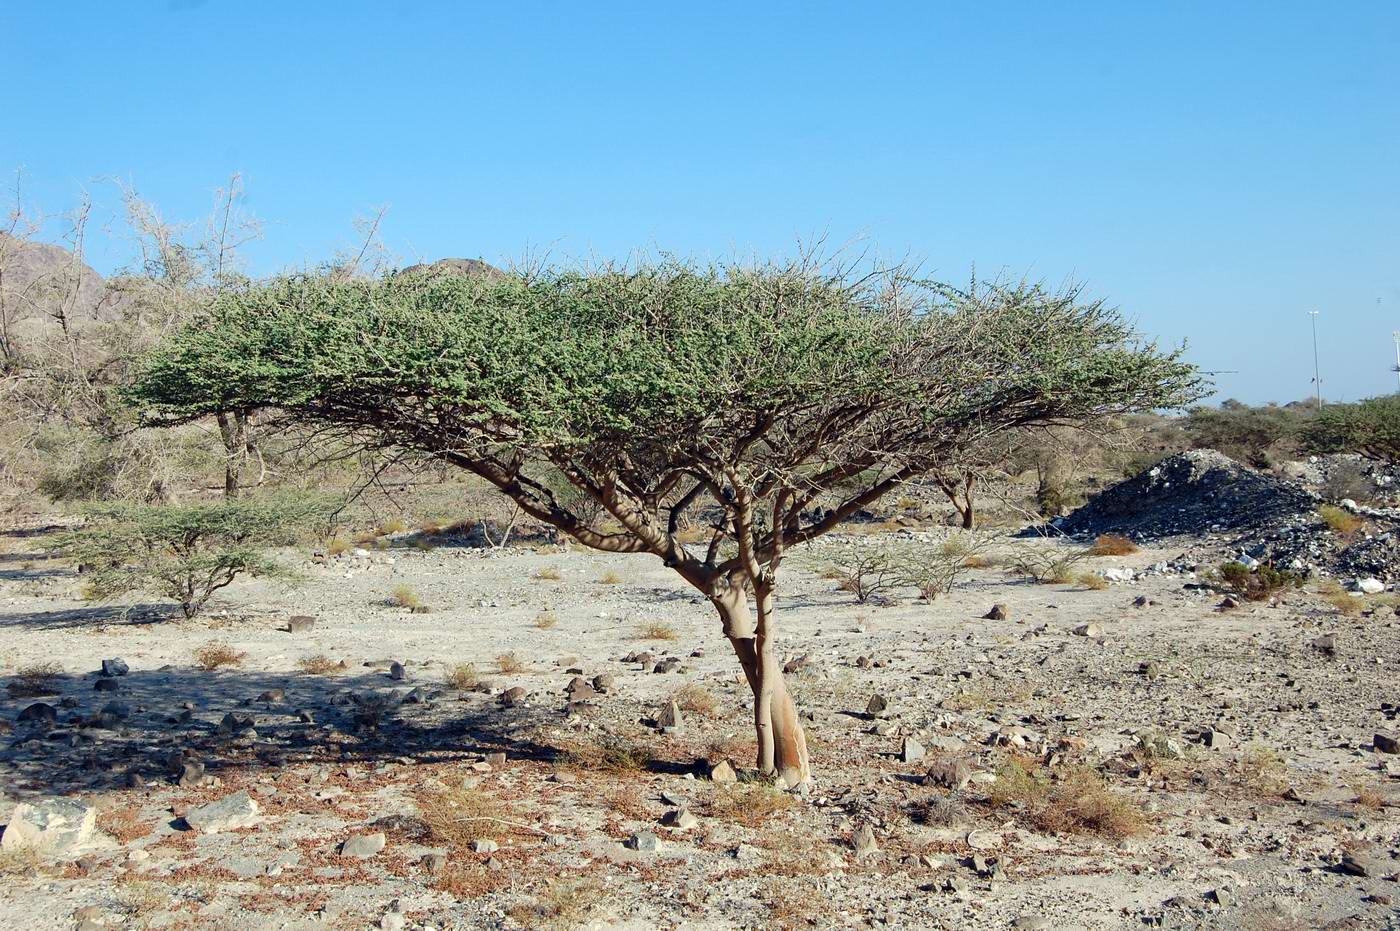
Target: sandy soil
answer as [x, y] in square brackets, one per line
[1250, 833]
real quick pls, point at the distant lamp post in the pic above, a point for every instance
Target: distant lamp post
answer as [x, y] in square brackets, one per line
[1317, 374]
[1396, 334]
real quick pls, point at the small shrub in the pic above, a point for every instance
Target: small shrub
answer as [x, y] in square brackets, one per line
[1259, 585]
[509, 663]
[337, 547]
[468, 881]
[1047, 565]
[546, 619]
[189, 552]
[1112, 544]
[696, 699]
[563, 905]
[22, 862]
[608, 754]
[655, 630]
[404, 596]
[748, 803]
[319, 665]
[549, 574]
[1372, 796]
[1092, 581]
[1343, 601]
[1340, 521]
[610, 578]
[1263, 770]
[463, 676]
[1076, 802]
[393, 525]
[213, 656]
[693, 534]
[459, 814]
[34, 680]
[942, 811]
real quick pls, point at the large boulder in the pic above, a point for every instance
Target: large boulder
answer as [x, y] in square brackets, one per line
[54, 827]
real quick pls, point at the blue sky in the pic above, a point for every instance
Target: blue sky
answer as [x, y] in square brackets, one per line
[1216, 170]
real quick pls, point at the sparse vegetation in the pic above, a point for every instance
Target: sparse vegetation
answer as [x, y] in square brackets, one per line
[1047, 564]
[319, 665]
[696, 699]
[1073, 801]
[1340, 521]
[1092, 581]
[565, 904]
[405, 596]
[35, 679]
[1259, 585]
[545, 620]
[751, 804]
[460, 813]
[509, 664]
[549, 574]
[1341, 600]
[1263, 770]
[656, 630]
[463, 676]
[1112, 544]
[213, 656]
[607, 754]
[610, 578]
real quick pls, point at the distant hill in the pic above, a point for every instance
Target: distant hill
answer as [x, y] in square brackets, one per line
[39, 282]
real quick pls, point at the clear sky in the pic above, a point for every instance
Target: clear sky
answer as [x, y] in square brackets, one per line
[1215, 169]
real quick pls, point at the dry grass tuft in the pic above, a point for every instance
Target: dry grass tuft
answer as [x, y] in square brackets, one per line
[731, 747]
[405, 596]
[393, 525]
[696, 699]
[612, 755]
[509, 664]
[1075, 801]
[463, 676]
[213, 656]
[692, 535]
[470, 881]
[546, 619]
[21, 862]
[1341, 600]
[655, 630]
[337, 547]
[460, 814]
[564, 904]
[610, 578]
[319, 665]
[1372, 796]
[140, 898]
[1092, 581]
[1263, 770]
[751, 804]
[943, 811]
[1112, 544]
[549, 574]
[34, 680]
[1340, 521]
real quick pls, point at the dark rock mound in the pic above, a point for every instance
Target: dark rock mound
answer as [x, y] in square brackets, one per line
[1192, 494]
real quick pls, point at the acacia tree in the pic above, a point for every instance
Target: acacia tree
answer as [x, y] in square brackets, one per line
[780, 399]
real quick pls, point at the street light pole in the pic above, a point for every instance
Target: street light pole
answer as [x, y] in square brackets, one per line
[1317, 374]
[1396, 334]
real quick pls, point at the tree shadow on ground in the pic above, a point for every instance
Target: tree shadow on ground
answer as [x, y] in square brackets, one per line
[155, 720]
[89, 616]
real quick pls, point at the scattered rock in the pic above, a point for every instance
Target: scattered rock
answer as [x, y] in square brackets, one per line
[54, 826]
[233, 811]
[723, 772]
[396, 671]
[106, 685]
[998, 613]
[604, 682]
[952, 774]
[669, 718]
[485, 845]
[1091, 630]
[1362, 861]
[39, 712]
[300, 624]
[680, 819]
[115, 667]
[863, 842]
[1369, 586]
[512, 697]
[1385, 743]
[877, 706]
[363, 846]
[910, 751]
[643, 842]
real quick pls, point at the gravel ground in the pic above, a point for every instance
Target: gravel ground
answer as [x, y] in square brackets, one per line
[1262, 799]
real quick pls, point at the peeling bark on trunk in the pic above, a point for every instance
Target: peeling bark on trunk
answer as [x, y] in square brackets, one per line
[782, 745]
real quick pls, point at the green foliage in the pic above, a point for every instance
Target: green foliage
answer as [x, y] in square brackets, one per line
[1260, 584]
[185, 553]
[1048, 563]
[1259, 436]
[1371, 428]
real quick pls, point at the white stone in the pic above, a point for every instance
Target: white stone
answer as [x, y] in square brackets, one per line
[1370, 586]
[55, 826]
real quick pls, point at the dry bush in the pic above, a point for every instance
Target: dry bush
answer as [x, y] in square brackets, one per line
[655, 630]
[337, 547]
[694, 534]
[627, 801]
[1341, 600]
[546, 619]
[549, 574]
[467, 881]
[405, 596]
[1074, 801]
[22, 862]
[1047, 565]
[459, 814]
[1263, 770]
[463, 676]
[34, 680]
[423, 544]
[1112, 544]
[607, 754]
[139, 899]
[751, 804]
[509, 663]
[1370, 796]
[213, 656]
[980, 562]
[319, 665]
[696, 699]
[1092, 581]
[610, 578]
[393, 525]
[1340, 521]
[943, 811]
[730, 747]
[124, 824]
[792, 906]
[564, 904]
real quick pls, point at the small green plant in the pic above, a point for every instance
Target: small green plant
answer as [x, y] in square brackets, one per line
[185, 553]
[607, 754]
[1340, 521]
[1259, 585]
[391, 526]
[404, 596]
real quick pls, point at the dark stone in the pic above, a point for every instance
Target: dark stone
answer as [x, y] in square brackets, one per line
[998, 613]
[40, 712]
[300, 624]
[106, 685]
[115, 667]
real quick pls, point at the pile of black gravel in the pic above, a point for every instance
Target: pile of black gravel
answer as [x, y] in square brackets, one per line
[1192, 494]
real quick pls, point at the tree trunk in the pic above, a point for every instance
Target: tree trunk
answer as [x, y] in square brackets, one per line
[782, 745]
[232, 432]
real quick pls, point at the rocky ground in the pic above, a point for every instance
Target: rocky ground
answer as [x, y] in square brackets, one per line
[1125, 757]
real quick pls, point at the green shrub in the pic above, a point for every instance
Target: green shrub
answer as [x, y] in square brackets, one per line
[184, 553]
[1260, 584]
